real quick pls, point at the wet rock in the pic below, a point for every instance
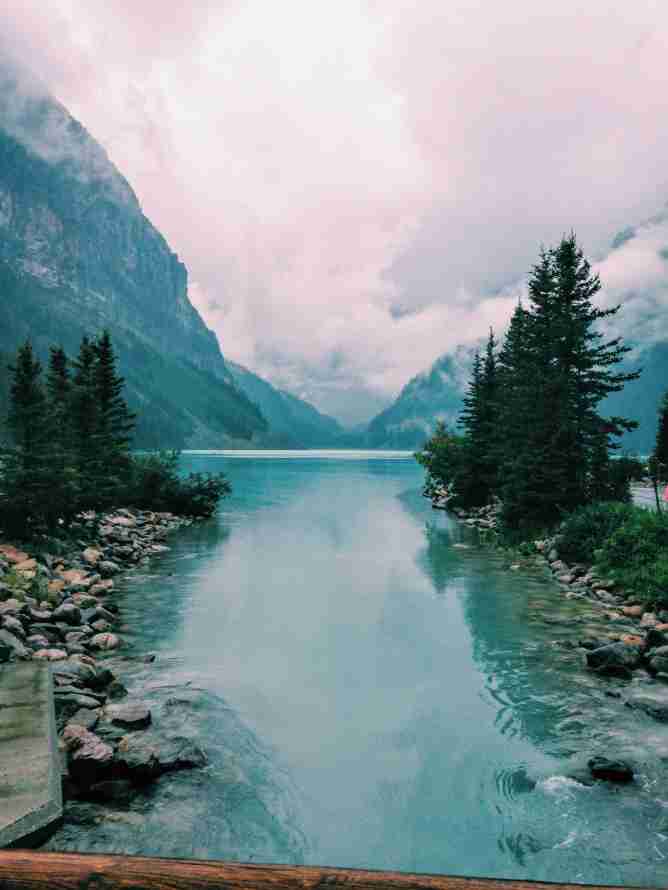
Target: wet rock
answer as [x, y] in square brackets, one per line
[84, 600]
[648, 619]
[137, 756]
[655, 638]
[50, 654]
[116, 690]
[658, 662]
[112, 790]
[105, 641]
[89, 759]
[610, 770]
[68, 613]
[107, 568]
[14, 626]
[614, 660]
[50, 631]
[85, 717]
[37, 641]
[101, 626]
[653, 707]
[91, 556]
[633, 611]
[132, 715]
[75, 668]
[181, 753]
[17, 648]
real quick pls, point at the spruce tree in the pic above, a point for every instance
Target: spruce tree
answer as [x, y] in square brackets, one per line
[28, 497]
[115, 423]
[84, 424]
[58, 417]
[661, 447]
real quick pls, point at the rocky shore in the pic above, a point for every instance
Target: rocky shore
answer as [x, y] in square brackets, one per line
[59, 607]
[633, 642]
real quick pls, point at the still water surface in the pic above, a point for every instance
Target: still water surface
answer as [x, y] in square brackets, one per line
[376, 689]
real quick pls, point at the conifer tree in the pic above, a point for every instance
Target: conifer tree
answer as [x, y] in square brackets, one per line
[114, 422]
[58, 419]
[27, 491]
[84, 424]
[661, 447]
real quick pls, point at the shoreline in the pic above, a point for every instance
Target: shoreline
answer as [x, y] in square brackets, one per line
[633, 641]
[59, 608]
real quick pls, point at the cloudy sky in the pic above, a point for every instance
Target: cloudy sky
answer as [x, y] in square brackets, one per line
[356, 186]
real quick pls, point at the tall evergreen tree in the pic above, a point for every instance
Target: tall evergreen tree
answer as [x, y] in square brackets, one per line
[563, 459]
[59, 421]
[27, 492]
[661, 446]
[84, 423]
[115, 422]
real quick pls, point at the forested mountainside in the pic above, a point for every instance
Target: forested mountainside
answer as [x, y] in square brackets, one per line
[293, 422]
[77, 255]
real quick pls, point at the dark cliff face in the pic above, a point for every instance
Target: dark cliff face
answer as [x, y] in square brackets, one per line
[77, 254]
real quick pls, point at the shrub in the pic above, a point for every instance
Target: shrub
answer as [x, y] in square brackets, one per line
[588, 528]
[155, 484]
[636, 555]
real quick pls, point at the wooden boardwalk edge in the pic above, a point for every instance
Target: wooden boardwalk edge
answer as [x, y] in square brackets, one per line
[28, 870]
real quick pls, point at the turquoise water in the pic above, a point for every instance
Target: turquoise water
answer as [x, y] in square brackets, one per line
[376, 689]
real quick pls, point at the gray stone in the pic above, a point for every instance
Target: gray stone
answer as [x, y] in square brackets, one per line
[614, 660]
[654, 707]
[14, 626]
[18, 649]
[89, 759]
[611, 770]
[68, 613]
[131, 715]
[86, 717]
[137, 756]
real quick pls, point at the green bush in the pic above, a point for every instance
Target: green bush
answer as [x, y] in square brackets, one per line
[589, 527]
[636, 555]
[155, 484]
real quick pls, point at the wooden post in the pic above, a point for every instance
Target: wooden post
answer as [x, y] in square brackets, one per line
[27, 870]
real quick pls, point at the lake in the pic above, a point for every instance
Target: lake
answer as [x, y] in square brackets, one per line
[374, 688]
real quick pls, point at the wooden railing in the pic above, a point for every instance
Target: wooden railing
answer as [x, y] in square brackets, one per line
[26, 870]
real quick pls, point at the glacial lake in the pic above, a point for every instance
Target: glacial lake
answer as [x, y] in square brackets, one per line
[374, 688]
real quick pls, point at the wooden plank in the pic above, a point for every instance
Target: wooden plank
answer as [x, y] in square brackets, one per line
[27, 870]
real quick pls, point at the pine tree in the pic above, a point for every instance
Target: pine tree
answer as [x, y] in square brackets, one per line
[115, 423]
[84, 424]
[563, 458]
[27, 495]
[661, 446]
[58, 418]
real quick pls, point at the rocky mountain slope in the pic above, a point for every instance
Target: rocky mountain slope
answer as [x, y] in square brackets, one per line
[77, 255]
[293, 422]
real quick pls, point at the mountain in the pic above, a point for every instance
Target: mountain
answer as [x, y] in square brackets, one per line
[77, 255]
[431, 396]
[293, 422]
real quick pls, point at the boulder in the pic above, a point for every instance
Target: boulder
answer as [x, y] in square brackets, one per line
[654, 638]
[633, 611]
[10, 641]
[75, 668]
[653, 707]
[131, 715]
[91, 556]
[611, 770]
[68, 613]
[50, 654]
[89, 759]
[85, 717]
[37, 641]
[105, 641]
[180, 753]
[112, 790]
[100, 588]
[14, 626]
[614, 660]
[137, 756]
[101, 626]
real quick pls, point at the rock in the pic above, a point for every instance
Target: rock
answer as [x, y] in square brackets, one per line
[18, 649]
[56, 586]
[12, 606]
[37, 641]
[133, 715]
[68, 613]
[648, 620]
[614, 660]
[91, 556]
[101, 626]
[89, 759]
[632, 640]
[116, 790]
[116, 690]
[180, 753]
[85, 600]
[124, 521]
[553, 555]
[39, 615]
[633, 611]
[104, 614]
[138, 757]
[14, 626]
[653, 707]
[11, 554]
[85, 717]
[26, 565]
[101, 588]
[50, 631]
[105, 641]
[611, 770]
[50, 654]
[75, 668]
[654, 638]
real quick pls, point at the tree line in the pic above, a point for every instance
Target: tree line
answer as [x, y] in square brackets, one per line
[67, 448]
[531, 431]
